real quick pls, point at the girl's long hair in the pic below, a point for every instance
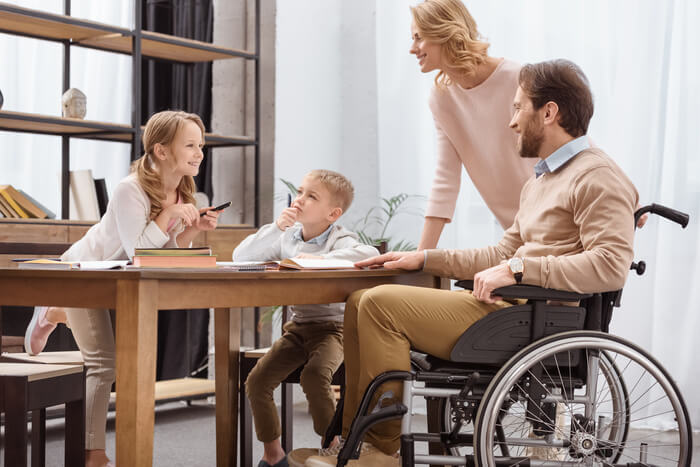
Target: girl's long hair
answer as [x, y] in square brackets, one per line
[161, 128]
[449, 23]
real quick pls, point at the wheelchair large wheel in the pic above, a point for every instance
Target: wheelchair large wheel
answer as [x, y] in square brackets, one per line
[554, 407]
[611, 384]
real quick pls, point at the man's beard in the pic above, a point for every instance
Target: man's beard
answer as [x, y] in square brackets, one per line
[530, 140]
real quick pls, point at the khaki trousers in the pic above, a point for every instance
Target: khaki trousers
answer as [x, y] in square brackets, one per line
[382, 325]
[317, 346]
[92, 330]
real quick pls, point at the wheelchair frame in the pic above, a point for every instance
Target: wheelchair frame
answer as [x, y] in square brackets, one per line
[480, 377]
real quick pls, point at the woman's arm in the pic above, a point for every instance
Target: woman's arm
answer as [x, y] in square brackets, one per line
[432, 229]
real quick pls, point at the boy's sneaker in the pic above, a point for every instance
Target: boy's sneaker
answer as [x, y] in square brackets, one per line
[297, 458]
[369, 457]
[38, 331]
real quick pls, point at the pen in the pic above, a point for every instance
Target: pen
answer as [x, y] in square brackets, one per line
[289, 199]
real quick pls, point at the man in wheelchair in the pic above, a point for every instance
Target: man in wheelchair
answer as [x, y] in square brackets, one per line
[573, 232]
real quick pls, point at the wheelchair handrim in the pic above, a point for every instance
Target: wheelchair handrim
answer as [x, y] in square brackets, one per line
[516, 367]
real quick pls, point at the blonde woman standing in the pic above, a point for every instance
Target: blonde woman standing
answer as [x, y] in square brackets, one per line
[472, 106]
[153, 207]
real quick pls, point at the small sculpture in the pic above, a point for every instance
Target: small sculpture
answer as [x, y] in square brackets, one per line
[74, 103]
[1, 100]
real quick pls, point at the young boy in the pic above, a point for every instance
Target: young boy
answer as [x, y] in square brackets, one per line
[314, 336]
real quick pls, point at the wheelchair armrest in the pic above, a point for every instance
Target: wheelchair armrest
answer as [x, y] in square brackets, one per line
[530, 292]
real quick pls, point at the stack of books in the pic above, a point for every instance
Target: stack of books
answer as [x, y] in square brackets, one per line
[174, 258]
[16, 204]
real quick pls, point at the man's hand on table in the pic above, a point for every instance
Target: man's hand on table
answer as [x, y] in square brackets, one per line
[407, 260]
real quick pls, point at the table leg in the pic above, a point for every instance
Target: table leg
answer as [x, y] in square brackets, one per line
[227, 340]
[137, 324]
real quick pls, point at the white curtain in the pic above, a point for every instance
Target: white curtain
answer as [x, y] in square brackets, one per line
[643, 61]
[31, 80]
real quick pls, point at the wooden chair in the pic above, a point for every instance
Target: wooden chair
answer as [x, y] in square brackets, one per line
[248, 358]
[32, 387]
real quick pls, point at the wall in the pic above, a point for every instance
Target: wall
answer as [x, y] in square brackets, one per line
[326, 107]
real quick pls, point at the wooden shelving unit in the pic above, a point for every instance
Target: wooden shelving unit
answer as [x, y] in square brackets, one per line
[139, 44]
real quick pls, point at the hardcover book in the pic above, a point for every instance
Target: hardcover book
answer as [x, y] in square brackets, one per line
[196, 251]
[5, 193]
[159, 261]
[27, 205]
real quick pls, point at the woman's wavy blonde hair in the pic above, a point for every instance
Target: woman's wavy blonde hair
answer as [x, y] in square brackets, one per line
[162, 128]
[448, 23]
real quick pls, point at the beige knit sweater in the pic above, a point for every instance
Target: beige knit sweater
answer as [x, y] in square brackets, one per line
[574, 230]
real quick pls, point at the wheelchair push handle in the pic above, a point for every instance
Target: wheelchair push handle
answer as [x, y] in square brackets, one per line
[663, 211]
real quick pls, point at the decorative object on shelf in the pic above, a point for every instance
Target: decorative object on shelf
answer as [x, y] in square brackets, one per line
[74, 103]
[1, 100]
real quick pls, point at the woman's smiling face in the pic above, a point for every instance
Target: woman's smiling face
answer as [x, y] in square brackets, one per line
[428, 53]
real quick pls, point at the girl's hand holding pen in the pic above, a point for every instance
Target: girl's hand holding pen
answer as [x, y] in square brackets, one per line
[207, 219]
[186, 211]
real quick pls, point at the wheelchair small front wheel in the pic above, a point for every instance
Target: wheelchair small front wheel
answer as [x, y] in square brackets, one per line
[582, 397]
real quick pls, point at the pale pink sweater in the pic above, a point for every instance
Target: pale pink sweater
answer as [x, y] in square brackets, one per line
[472, 130]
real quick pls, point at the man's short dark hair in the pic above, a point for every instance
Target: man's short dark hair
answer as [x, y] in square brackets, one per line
[564, 83]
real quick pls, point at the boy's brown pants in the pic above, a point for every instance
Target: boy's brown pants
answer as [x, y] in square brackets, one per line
[317, 346]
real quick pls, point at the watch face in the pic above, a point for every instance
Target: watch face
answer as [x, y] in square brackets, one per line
[516, 265]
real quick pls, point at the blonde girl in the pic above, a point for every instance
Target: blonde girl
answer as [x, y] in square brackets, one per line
[152, 207]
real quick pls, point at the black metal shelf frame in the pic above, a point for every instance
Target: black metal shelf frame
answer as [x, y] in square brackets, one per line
[103, 131]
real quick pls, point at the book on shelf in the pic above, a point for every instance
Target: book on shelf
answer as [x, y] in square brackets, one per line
[83, 196]
[311, 263]
[49, 213]
[102, 196]
[26, 204]
[7, 209]
[5, 194]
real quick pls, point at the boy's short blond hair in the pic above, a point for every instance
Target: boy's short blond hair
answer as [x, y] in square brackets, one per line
[339, 187]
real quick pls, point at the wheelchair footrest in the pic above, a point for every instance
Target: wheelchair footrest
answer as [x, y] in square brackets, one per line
[351, 448]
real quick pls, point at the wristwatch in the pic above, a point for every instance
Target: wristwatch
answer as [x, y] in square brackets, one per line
[516, 267]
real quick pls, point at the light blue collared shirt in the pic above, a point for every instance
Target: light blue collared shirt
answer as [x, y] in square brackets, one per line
[318, 240]
[561, 156]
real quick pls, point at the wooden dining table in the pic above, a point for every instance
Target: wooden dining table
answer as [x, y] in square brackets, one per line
[137, 294]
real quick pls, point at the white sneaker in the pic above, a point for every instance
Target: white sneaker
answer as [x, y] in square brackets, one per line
[369, 457]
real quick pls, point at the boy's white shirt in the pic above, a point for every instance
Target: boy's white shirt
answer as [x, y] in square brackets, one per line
[124, 227]
[270, 243]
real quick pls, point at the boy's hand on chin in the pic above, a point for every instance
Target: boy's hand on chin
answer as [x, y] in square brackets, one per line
[287, 218]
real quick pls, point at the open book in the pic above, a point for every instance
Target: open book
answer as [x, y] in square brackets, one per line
[308, 263]
[289, 263]
[45, 263]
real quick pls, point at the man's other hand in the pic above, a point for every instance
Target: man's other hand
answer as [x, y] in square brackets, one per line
[488, 280]
[407, 260]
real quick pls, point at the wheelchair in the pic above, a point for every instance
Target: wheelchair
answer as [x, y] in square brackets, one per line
[538, 384]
